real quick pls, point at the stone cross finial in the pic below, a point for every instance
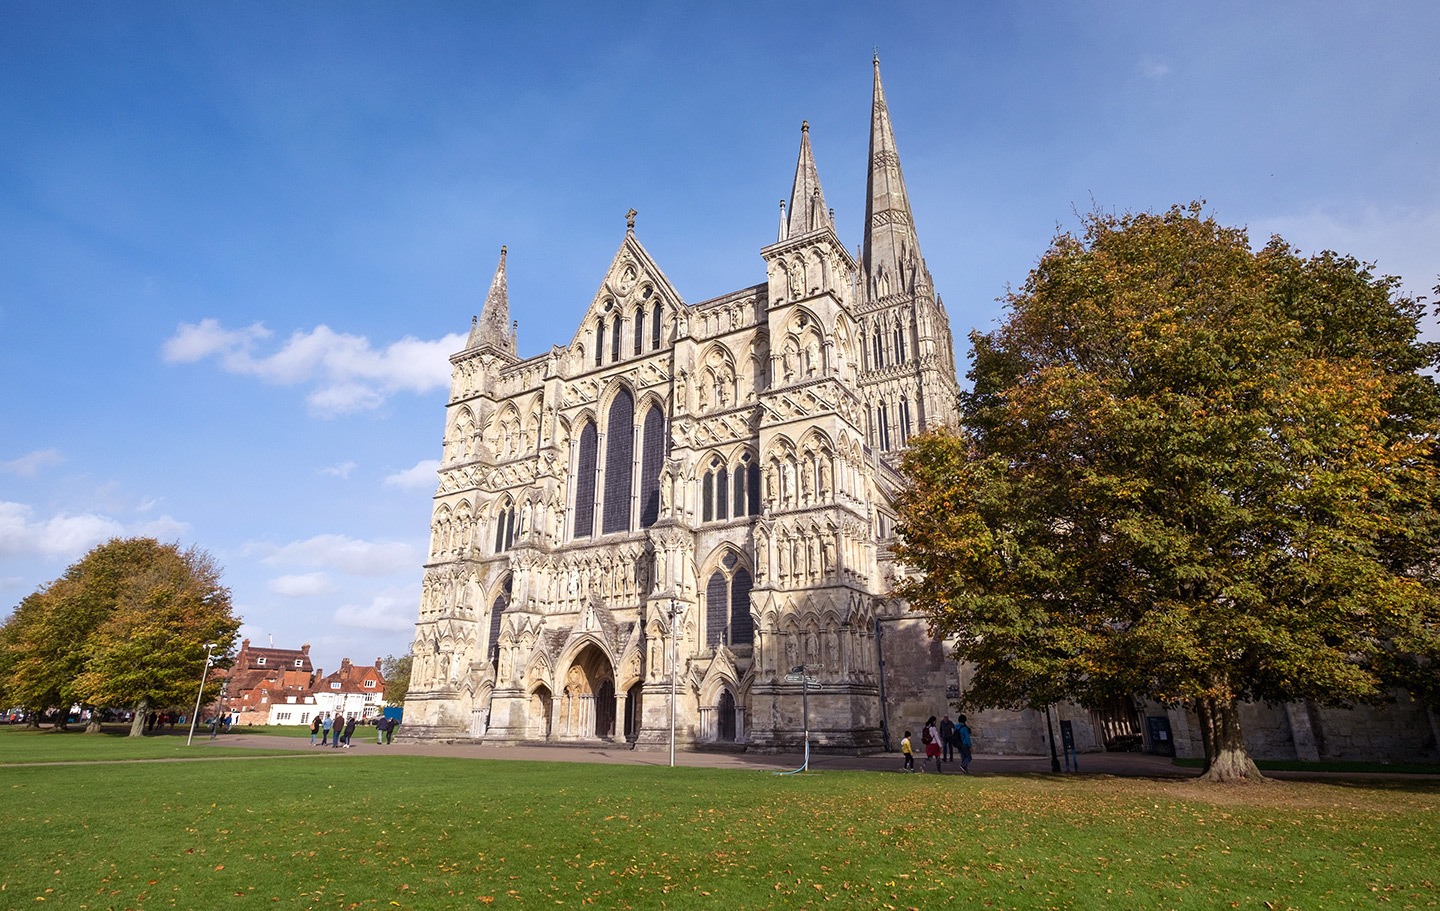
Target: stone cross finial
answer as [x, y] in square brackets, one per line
[630, 220]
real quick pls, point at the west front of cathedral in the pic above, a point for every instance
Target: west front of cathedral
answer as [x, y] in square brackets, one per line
[698, 488]
[699, 496]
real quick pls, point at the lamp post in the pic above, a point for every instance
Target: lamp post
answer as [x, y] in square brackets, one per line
[675, 611]
[799, 675]
[1054, 759]
[209, 647]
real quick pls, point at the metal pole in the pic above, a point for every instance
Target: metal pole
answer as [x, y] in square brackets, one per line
[805, 713]
[1054, 759]
[209, 646]
[674, 657]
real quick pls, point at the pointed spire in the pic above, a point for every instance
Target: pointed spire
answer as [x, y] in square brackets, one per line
[891, 253]
[807, 200]
[784, 231]
[494, 328]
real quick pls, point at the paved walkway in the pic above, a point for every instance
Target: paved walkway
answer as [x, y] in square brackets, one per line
[1122, 764]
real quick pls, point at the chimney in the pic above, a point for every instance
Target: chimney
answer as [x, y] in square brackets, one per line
[305, 649]
[377, 663]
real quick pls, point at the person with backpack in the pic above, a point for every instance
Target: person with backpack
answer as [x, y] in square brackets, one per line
[964, 742]
[930, 737]
[314, 728]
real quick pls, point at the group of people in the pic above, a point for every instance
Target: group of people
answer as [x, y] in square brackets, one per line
[941, 743]
[336, 731]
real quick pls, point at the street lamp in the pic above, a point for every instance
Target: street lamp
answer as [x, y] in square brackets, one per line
[209, 647]
[798, 675]
[676, 609]
[1054, 759]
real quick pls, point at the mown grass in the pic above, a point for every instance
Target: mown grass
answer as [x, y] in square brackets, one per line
[1292, 765]
[361, 830]
[20, 744]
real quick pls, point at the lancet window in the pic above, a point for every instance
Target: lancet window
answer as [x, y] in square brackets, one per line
[497, 611]
[504, 528]
[652, 459]
[619, 463]
[585, 483]
[727, 604]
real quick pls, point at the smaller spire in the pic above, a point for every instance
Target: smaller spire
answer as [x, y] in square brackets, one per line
[784, 228]
[493, 328]
[807, 200]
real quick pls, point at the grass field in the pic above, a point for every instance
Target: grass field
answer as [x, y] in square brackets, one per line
[360, 830]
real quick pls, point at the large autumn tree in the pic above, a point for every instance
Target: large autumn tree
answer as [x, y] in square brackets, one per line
[124, 627]
[1188, 470]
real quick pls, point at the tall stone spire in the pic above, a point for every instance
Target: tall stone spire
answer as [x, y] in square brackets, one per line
[807, 201]
[891, 257]
[493, 328]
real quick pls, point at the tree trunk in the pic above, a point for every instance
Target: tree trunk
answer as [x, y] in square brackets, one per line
[137, 724]
[93, 725]
[1226, 759]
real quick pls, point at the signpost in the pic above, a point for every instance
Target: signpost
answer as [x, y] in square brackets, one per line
[798, 675]
[676, 610]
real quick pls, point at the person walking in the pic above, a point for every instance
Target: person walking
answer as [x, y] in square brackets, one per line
[339, 731]
[930, 736]
[326, 726]
[314, 728]
[349, 730]
[380, 730]
[909, 753]
[966, 744]
[947, 736]
[390, 725]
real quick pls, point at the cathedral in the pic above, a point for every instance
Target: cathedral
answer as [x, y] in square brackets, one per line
[679, 522]
[694, 495]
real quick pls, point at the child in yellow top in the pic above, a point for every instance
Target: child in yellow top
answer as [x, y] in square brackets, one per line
[908, 753]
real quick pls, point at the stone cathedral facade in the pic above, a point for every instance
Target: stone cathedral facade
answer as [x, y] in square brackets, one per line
[728, 465]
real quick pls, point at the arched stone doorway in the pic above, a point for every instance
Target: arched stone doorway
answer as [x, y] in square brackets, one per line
[725, 718]
[633, 715]
[587, 707]
[540, 706]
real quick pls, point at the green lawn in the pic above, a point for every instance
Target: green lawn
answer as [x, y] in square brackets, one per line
[359, 830]
[20, 744]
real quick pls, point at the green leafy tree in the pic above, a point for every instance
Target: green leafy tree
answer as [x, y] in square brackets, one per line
[396, 672]
[1189, 470]
[125, 626]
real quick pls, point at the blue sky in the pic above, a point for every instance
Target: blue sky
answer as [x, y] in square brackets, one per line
[238, 241]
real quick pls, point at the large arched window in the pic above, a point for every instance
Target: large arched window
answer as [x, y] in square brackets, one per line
[585, 483]
[497, 610]
[652, 459]
[727, 604]
[619, 463]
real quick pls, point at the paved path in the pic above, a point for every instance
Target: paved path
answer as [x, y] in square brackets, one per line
[1123, 764]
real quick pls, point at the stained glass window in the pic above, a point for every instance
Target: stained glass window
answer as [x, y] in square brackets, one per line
[585, 484]
[652, 458]
[619, 462]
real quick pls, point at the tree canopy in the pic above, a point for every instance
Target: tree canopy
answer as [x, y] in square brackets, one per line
[396, 672]
[124, 627]
[1188, 470]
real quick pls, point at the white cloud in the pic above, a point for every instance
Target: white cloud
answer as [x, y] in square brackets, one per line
[346, 374]
[1400, 240]
[58, 536]
[341, 471]
[342, 553]
[164, 528]
[419, 477]
[30, 464]
[304, 585]
[1151, 68]
[391, 609]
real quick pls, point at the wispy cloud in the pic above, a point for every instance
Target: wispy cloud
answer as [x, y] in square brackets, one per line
[341, 471]
[1153, 68]
[64, 535]
[304, 585]
[344, 372]
[391, 609]
[341, 553]
[421, 476]
[30, 464]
